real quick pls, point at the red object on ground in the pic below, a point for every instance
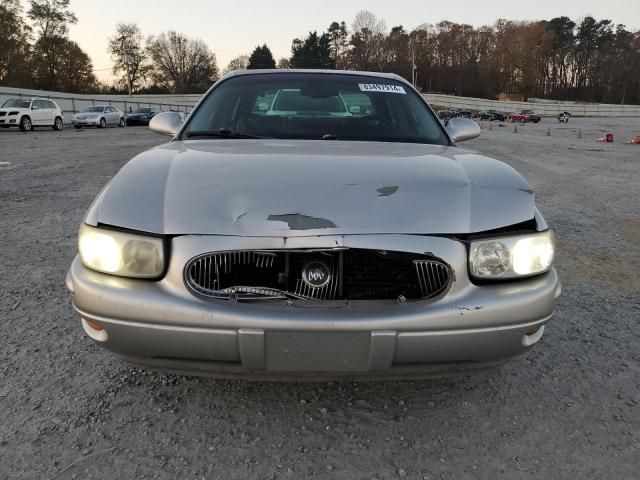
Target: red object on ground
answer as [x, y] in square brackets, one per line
[609, 138]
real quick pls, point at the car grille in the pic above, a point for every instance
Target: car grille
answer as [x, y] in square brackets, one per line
[348, 274]
[2, 114]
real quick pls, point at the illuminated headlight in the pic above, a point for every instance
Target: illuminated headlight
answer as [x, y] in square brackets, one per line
[121, 253]
[511, 257]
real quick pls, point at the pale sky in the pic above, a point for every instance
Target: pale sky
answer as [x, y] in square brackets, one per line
[233, 28]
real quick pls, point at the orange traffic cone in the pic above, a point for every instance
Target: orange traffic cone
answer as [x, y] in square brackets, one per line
[515, 129]
[548, 132]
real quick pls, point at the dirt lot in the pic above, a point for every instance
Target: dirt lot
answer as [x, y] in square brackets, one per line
[568, 409]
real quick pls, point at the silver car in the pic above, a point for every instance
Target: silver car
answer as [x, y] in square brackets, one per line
[100, 116]
[313, 245]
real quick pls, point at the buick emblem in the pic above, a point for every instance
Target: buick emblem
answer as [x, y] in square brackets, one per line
[316, 274]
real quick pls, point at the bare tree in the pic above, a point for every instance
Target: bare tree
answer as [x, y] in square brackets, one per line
[366, 41]
[366, 20]
[15, 50]
[181, 64]
[129, 57]
[238, 63]
[284, 63]
[339, 42]
[52, 19]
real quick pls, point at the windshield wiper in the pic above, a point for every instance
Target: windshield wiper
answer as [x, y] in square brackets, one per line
[221, 133]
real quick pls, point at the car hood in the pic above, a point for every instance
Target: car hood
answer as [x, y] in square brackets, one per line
[304, 188]
[14, 109]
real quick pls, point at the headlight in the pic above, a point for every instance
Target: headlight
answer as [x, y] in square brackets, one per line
[511, 257]
[120, 253]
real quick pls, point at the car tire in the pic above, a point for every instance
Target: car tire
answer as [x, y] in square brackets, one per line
[103, 123]
[25, 124]
[121, 123]
[58, 125]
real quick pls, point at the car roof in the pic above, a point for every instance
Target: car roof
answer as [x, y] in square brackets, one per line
[29, 99]
[281, 71]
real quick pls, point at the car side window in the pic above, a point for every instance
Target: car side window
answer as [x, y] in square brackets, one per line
[50, 105]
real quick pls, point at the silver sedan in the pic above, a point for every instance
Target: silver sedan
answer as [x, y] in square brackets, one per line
[314, 244]
[100, 116]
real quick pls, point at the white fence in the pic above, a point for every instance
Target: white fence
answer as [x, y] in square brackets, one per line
[544, 109]
[71, 103]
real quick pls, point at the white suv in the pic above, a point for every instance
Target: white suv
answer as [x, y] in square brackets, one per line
[27, 113]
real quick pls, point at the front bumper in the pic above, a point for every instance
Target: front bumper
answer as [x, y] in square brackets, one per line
[9, 120]
[160, 324]
[84, 123]
[138, 121]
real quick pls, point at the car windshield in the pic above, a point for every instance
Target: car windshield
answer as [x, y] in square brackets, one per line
[93, 109]
[143, 110]
[527, 111]
[16, 103]
[315, 106]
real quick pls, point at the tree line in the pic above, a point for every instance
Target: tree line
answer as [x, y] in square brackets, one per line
[590, 60]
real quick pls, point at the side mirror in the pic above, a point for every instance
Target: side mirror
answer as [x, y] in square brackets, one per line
[166, 123]
[461, 129]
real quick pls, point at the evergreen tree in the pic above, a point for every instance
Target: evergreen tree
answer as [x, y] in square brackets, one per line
[261, 58]
[312, 52]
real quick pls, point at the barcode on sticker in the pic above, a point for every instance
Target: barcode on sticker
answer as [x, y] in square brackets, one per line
[381, 87]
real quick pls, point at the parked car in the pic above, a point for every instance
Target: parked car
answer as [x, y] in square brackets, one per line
[314, 245]
[100, 116]
[454, 113]
[524, 116]
[563, 117]
[28, 113]
[141, 116]
[492, 115]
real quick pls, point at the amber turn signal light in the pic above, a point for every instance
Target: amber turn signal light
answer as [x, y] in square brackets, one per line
[94, 325]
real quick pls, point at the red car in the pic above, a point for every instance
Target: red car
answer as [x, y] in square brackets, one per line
[525, 116]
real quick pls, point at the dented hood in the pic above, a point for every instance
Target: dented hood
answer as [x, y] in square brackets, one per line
[301, 188]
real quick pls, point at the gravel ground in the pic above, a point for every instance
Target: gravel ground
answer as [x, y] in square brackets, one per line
[567, 409]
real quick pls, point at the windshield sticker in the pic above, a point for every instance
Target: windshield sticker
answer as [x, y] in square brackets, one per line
[381, 87]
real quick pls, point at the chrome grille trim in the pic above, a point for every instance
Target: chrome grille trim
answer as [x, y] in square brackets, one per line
[433, 277]
[328, 292]
[263, 275]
